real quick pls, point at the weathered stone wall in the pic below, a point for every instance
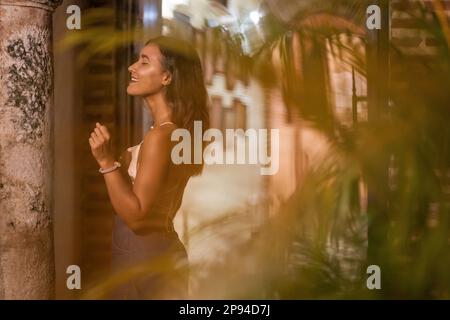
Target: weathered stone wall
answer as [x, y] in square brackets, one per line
[26, 87]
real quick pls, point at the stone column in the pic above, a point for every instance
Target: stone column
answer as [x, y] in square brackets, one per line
[27, 268]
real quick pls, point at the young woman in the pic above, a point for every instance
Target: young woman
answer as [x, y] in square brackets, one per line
[169, 77]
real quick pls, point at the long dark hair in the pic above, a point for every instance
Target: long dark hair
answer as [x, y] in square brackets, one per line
[186, 93]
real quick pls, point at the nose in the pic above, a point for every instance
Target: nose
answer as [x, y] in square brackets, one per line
[130, 68]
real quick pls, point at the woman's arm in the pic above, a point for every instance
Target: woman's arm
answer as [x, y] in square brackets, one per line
[133, 202]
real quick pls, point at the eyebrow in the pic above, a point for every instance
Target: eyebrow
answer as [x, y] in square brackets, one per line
[145, 56]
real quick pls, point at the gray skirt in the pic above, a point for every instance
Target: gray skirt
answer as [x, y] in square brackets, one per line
[151, 266]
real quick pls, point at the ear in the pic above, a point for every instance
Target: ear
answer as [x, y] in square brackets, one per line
[167, 78]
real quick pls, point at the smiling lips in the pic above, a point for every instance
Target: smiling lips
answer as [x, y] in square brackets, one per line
[134, 80]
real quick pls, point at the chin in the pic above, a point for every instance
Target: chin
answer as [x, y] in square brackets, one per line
[132, 92]
[139, 91]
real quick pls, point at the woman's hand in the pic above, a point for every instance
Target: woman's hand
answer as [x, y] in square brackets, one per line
[101, 146]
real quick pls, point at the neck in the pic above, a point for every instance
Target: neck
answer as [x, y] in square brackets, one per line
[158, 108]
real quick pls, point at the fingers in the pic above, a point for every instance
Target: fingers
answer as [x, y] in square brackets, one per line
[100, 135]
[94, 138]
[103, 130]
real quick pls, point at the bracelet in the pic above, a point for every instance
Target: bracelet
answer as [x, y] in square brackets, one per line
[107, 170]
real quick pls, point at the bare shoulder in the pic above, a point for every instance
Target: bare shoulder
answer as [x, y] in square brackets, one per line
[159, 138]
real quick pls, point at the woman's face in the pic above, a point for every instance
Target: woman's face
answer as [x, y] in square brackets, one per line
[147, 74]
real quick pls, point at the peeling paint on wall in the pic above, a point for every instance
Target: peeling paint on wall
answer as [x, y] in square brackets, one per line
[26, 154]
[29, 82]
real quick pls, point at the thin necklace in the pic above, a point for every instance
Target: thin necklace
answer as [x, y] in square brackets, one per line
[166, 122]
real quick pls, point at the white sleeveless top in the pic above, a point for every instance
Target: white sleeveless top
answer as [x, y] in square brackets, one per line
[132, 168]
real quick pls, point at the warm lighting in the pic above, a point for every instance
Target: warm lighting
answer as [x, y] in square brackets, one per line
[255, 16]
